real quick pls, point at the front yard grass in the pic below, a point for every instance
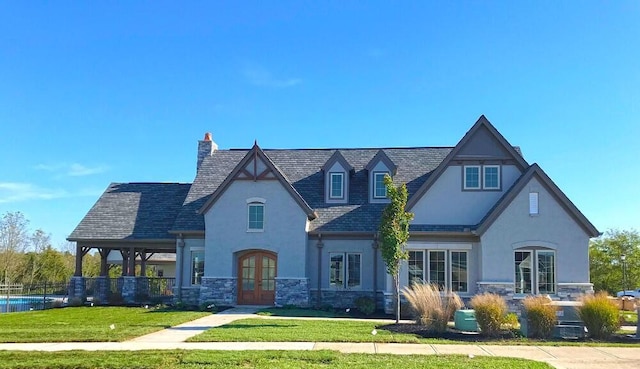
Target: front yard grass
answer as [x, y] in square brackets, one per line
[248, 359]
[88, 324]
[345, 330]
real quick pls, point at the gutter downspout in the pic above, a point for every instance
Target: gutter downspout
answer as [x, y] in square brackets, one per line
[319, 245]
[180, 264]
[374, 245]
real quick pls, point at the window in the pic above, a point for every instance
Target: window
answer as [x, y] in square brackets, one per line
[343, 275]
[256, 217]
[446, 268]
[197, 266]
[336, 190]
[379, 189]
[416, 267]
[472, 177]
[533, 203]
[535, 271]
[491, 174]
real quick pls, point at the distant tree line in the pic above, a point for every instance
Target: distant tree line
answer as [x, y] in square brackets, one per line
[610, 270]
[29, 258]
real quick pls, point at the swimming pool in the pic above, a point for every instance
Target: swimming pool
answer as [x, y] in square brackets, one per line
[23, 303]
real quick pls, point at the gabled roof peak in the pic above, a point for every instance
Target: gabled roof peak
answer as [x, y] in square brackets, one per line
[382, 157]
[337, 157]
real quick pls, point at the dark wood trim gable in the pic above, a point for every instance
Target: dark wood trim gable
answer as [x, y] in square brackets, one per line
[453, 155]
[339, 158]
[381, 156]
[537, 172]
[256, 154]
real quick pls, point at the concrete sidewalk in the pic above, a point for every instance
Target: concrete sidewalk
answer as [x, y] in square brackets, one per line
[564, 357]
[567, 357]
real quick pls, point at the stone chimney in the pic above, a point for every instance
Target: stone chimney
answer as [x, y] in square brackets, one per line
[206, 147]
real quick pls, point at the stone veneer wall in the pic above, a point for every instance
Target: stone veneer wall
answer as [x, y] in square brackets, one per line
[565, 292]
[77, 288]
[342, 299]
[102, 289]
[129, 285]
[190, 295]
[293, 291]
[220, 291]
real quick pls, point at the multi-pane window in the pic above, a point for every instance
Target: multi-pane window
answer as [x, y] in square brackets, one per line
[256, 217]
[416, 267]
[197, 266]
[535, 271]
[476, 177]
[459, 281]
[472, 177]
[491, 177]
[447, 269]
[336, 190]
[379, 189]
[345, 275]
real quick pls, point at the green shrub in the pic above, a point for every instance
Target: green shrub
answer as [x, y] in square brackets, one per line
[541, 316]
[432, 309]
[490, 312]
[366, 305]
[510, 321]
[599, 314]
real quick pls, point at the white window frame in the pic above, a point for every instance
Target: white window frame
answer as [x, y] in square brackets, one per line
[195, 280]
[484, 177]
[375, 182]
[331, 187]
[535, 273]
[345, 271]
[464, 179]
[448, 276]
[249, 206]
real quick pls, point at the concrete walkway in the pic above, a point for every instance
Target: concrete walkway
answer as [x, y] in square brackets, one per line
[563, 357]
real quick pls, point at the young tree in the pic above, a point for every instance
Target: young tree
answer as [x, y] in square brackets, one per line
[605, 260]
[394, 233]
[14, 240]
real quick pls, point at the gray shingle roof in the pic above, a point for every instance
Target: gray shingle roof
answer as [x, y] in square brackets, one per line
[302, 169]
[133, 211]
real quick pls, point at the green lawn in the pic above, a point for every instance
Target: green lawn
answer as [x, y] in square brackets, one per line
[299, 330]
[344, 330]
[300, 312]
[247, 359]
[629, 317]
[88, 324]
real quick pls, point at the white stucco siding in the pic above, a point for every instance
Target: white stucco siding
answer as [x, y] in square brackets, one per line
[284, 229]
[183, 262]
[446, 203]
[552, 228]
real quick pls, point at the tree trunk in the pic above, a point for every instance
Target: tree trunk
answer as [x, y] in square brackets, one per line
[396, 287]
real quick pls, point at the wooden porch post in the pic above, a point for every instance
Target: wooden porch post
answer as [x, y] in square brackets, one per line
[125, 261]
[104, 269]
[79, 255]
[143, 263]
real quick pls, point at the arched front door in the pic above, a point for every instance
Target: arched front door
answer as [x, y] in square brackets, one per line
[257, 278]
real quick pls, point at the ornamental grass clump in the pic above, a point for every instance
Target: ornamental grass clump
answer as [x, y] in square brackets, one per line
[490, 311]
[541, 316]
[432, 308]
[599, 314]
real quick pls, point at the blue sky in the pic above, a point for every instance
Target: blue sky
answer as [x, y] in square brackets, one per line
[120, 91]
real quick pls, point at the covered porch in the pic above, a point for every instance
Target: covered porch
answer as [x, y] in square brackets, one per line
[133, 284]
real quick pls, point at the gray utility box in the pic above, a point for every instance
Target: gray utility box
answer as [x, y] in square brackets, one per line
[569, 325]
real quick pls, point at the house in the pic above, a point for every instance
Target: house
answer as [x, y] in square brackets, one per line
[299, 227]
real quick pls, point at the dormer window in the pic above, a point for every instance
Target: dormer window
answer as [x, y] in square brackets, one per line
[337, 172]
[379, 189]
[472, 177]
[336, 190]
[491, 177]
[481, 177]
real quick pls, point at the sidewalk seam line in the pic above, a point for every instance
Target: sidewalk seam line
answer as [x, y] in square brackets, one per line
[434, 349]
[546, 352]
[606, 353]
[486, 350]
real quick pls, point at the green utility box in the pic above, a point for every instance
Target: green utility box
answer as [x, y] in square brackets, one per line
[465, 320]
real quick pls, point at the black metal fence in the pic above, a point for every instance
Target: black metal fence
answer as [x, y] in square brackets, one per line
[25, 297]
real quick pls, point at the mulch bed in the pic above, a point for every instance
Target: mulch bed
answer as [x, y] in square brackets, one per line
[514, 336]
